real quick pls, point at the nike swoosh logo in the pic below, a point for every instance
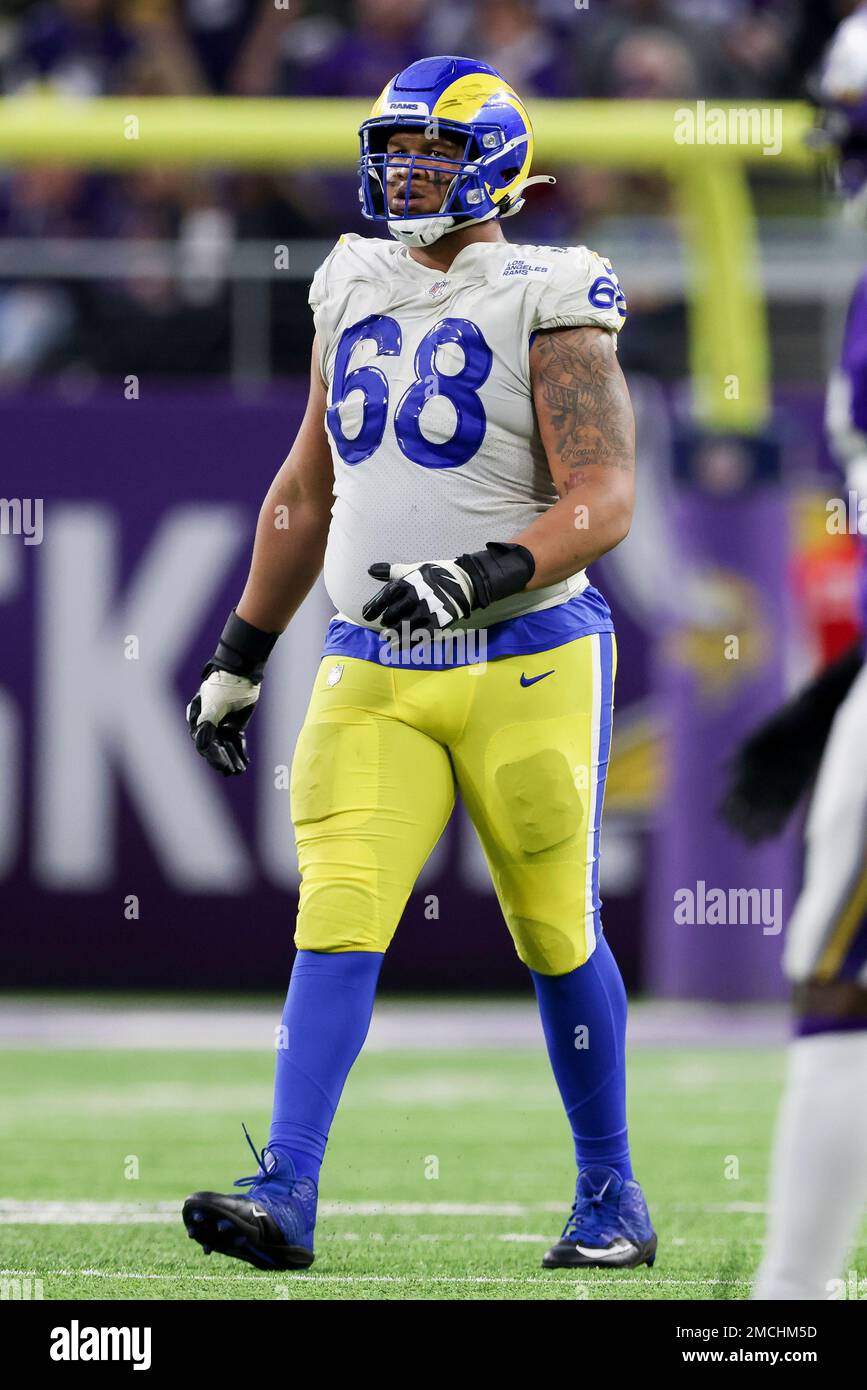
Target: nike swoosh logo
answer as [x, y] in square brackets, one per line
[611, 1252]
[531, 680]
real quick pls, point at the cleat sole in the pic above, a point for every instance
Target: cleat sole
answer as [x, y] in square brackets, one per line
[566, 1256]
[228, 1233]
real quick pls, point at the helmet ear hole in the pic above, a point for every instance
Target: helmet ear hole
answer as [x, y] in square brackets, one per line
[378, 139]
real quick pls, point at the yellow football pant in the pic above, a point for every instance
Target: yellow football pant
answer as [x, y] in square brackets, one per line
[374, 775]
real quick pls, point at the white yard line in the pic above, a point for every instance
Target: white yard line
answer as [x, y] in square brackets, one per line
[16, 1212]
[298, 1277]
[737, 1208]
[64, 1213]
[418, 1027]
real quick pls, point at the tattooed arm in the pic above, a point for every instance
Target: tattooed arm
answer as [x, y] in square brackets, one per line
[586, 424]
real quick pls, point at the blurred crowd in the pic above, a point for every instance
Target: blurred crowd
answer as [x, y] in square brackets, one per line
[728, 49]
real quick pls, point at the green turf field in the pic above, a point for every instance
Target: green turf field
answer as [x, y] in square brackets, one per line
[490, 1123]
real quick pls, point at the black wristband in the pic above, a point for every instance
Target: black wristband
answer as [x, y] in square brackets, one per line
[242, 649]
[498, 571]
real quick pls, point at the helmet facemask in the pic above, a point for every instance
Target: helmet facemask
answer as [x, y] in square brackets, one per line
[473, 183]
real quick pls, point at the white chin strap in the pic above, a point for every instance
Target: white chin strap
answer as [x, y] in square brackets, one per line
[423, 231]
[420, 231]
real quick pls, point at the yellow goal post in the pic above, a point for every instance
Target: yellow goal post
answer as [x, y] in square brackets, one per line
[706, 152]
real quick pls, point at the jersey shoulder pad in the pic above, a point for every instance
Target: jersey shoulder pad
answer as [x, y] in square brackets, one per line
[578, 288]
[320, 282]
[354, 257]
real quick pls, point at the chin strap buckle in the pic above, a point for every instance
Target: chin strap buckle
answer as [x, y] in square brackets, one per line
[515, 201]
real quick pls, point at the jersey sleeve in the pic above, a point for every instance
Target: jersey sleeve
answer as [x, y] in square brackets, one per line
[318, 294]
[581, 288]
[321, 295]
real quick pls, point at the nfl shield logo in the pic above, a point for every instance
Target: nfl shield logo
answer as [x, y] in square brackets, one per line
[335, 673]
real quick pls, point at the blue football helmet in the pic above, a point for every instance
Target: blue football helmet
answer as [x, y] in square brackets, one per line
[469, 104]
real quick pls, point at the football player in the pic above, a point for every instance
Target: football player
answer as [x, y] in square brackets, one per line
[469, 446]
[819, 1169]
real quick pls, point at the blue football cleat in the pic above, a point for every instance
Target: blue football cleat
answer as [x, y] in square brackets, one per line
[608, 1227]
[270, 1227]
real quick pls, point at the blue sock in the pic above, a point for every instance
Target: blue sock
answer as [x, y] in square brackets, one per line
[591, 1077]
[325, 1021]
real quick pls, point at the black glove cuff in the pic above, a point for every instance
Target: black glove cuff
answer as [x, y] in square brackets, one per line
[498, 571]
[242, 649]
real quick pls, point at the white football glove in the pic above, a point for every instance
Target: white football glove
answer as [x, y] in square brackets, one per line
[219, 714]
[218, 717]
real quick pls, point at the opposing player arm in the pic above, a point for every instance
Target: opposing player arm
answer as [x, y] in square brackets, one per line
[587, 427]
[293, 522]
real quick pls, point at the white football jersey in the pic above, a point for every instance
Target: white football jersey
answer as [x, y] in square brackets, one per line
[430, 412]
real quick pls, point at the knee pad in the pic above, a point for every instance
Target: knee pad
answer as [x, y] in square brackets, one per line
[540, 798]
[546, 948]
